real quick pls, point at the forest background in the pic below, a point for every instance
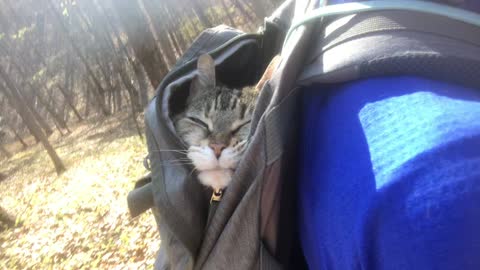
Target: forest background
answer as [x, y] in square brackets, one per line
[75, 76]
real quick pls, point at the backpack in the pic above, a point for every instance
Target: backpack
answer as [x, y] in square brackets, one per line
[254, 224]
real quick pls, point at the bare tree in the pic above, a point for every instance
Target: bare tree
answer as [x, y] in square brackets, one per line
[20, 106]
[2, 148]
[142, 39]
[66, 60]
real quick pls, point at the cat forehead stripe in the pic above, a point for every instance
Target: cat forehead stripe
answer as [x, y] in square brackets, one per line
[217, 95]
[243, 109]
[207, 109]
[234, 103]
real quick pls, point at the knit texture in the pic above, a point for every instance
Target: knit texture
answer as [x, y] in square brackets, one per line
[391, 175]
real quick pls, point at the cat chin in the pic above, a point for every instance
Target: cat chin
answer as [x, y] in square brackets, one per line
[216, 179]
[204, 159]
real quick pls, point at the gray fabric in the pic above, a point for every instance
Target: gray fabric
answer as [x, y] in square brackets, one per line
[267, 261]
[393, 43]
[210, 39]
[140, 200]
[178, 210]
[244, 231]
[172, 254]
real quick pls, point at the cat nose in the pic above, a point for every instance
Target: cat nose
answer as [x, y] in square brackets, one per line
[217, 148]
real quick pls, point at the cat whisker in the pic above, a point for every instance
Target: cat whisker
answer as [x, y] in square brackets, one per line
[179, 165]
[191, 172]
[175, 164]
[174, 151]
[176, 161]
[241, 146]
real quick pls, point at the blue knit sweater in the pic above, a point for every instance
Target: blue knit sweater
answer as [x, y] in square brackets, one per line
[391, 176]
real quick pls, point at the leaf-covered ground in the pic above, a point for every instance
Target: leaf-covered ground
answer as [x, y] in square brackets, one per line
[78, 220]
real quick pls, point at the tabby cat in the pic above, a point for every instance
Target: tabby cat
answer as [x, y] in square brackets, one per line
[215, 124]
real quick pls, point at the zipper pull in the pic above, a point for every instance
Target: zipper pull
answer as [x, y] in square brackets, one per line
[216, 195]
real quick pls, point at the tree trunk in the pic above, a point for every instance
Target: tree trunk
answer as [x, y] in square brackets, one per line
[141, 39]
[6, 220]
[173, 25]
[130, 90]
[195, 27]
[118, 96]
[259, 9]
[70, 102]
[67, 88]
[214, 13]
[17, 136]
[59, 120]
[154, 16]
[142, 94]
[50, 106]
[31, 100]
[87, 100]
[50, 109]
[227, 12]
[5, 152]
[100, 89]
[102, 38]
[199, 11]
[34, 113]
[21, 107]
[175, 43]
[143, 87]
[240, 6]
[106, 76]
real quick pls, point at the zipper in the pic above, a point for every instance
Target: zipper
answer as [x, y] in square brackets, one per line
[217, 195]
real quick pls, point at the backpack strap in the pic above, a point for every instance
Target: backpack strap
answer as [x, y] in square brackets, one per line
[141, 198]
[274, 30]
[369, 6]
[394, 42]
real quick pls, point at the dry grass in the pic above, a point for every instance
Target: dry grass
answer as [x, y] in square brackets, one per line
[78, 220]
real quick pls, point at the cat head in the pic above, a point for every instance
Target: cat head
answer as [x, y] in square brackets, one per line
[216, 121]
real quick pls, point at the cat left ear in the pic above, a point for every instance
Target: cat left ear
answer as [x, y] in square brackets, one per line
[206, 72]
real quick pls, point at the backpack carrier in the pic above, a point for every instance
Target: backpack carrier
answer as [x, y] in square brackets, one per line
[254, 224]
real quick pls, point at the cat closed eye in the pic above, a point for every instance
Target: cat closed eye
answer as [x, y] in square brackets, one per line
[237, 129]
[198, 122]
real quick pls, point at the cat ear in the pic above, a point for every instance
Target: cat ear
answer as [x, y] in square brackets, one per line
[206, 67]
[206, 74]
[267, 75]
